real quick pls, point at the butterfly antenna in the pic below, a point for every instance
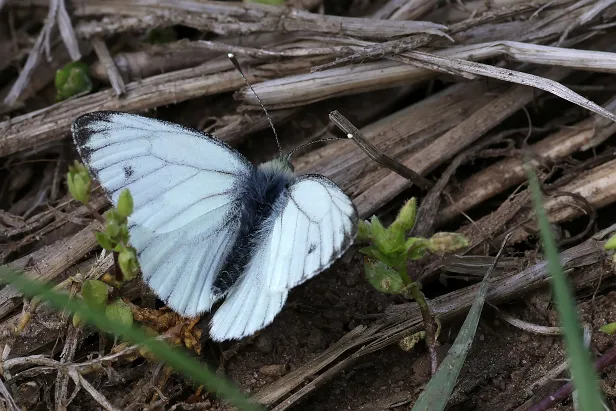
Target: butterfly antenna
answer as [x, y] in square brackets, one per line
[238, 68]
[322, 140]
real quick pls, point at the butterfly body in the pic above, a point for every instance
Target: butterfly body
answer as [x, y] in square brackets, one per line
[208, 224]
[260, 197]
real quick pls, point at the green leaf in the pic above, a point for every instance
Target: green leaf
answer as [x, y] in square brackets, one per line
[180, 362]
[94, 293]
[113, 215]
[72, 79]
[125, 203]
[127, 260]
[104, 241]
[609, 328]
[382, 277]
[375, 253]
[579, 358]
[112, 229]
[119, 312]
[611, 243]
[417, 247]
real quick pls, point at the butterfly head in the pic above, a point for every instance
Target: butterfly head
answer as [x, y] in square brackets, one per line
[279, 165]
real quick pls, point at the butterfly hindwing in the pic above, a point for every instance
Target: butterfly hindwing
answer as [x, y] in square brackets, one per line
[184, 189]
[311, 226]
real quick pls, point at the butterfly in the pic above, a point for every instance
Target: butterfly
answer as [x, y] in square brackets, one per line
[209, 224]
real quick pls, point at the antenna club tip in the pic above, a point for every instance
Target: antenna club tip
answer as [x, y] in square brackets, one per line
[230, 55]
[349, 135]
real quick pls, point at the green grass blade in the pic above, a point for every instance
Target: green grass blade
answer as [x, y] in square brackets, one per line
[436, 394]
[177, 360]
[580, 364]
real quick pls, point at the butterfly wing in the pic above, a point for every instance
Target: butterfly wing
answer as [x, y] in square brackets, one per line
[184, 186]
[311, 226]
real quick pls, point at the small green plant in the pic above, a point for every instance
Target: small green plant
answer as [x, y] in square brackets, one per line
[115, 238]
[389, 250]
[72, 79]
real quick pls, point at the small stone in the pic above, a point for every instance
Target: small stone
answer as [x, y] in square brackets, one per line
[28, 394]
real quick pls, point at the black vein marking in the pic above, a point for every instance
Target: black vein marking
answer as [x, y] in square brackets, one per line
[313, 247]
[128, 171]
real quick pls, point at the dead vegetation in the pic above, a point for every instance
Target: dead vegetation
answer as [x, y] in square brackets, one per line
[455, 91]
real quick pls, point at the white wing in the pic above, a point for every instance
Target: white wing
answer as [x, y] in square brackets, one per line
[184, 186]
[309, 229]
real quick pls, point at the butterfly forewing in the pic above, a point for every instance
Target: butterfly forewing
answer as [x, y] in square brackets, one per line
[312, 226]
[183, 184]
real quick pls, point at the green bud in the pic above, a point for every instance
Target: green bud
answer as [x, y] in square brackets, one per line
[71, 80]
[125, 203]
[94, 293]
[128, 263]
[406, 216]
[104, 241]
[441, 243]
[611, 243]
[382, 277]
[119, 313]
[79, 183]
[609, 328]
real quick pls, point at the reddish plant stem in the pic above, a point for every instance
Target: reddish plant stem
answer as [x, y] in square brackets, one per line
[608, 358]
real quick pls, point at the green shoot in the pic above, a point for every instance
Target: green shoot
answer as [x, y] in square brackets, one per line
[71, 80]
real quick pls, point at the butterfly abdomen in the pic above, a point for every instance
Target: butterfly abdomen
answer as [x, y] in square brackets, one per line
[263, 193]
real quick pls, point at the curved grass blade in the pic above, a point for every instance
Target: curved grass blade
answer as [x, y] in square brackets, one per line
[179, 361]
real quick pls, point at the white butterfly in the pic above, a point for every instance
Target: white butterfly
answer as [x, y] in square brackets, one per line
[207, 223]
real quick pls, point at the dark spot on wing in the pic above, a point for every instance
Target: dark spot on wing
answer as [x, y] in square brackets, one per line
[81, 127]
[128, 171]
[312, 248]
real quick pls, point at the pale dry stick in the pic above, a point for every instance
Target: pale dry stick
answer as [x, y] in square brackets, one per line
[49, 262]
[597, 186]
[586, 17]
[232, 18]
[67, 32]
[100, 398]
[113, 75]
[53, 123]
[354, 134]
[373, 194]
[503, 74]
[528, 327]
[302, 88]
[4, 392]
[405, 318]
[405, 131]
[67, 355]
[506, 173]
